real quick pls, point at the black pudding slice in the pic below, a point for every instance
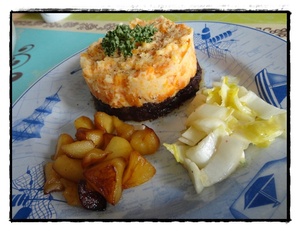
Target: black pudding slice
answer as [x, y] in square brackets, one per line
[151, 111]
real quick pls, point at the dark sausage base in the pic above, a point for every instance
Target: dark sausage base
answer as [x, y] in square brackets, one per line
[151, 111]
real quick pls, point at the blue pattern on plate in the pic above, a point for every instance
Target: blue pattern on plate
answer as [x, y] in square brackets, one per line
[272, 87]
[263, 192]
[216, 46]
[31, 126]
[28, 199]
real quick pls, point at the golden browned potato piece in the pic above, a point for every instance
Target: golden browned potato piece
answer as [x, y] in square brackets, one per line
[68, 168]
[106, 178]
[52, 179]
[138, 171]
[83, 122]
[62, 139]
[78, 149]
[145, 141]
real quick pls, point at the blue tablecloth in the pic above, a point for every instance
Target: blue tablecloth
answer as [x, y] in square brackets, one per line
[45, 47]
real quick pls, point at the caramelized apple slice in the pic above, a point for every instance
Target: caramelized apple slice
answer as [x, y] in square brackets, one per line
[95, 135]
[106, 178]
[70, 192]
[93, 157]
[63, 139]
[119, 147]
[83, 122]
[52, 179]
[138, 171]
[123, 129]
[145, 141]
[78, 149]
[68, 168]
[103, 120]
[106, 139]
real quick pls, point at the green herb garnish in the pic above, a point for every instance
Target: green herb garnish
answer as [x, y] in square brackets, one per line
[124, 39]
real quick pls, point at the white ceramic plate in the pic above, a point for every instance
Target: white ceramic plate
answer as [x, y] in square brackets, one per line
[258, 190]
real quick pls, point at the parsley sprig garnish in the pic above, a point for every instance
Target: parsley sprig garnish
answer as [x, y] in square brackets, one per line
[124, 39]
